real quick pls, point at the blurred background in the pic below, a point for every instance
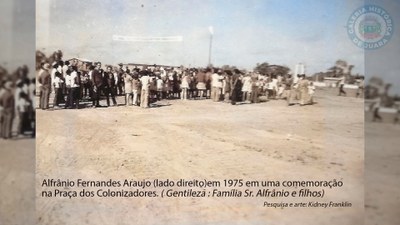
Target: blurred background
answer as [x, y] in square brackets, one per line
[382, 125]
[17, 143]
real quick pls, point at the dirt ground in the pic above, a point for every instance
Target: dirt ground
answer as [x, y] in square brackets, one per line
[17, 181]
[382, 180]
[203, 140]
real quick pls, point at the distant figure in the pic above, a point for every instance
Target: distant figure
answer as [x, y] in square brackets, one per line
[341, 86]
[135, 89]
[216, 85]
[128, 88]
[109, 86]
[246, 88]
[23, 106]
[360, 90]
[255, 88]
[97, 81]
[303, 90]
[201, 83]
[227, 86]
[7, 106]
[376, 106]
[311, 92]
[45, 88]
[144, 96]
[293, 94]
[185, 85]
[57, 83]
[236, 87]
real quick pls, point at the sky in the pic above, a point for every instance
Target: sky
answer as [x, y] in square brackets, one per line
[17, 36]
[288, 32]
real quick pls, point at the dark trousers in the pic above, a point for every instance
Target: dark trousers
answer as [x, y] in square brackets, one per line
[68, 103]
[87, 90]
[235, 96]
[120, 85]
[341, 90]
[96, 95]
[73, 97]
[107, 92]
[58, 96]
[6, 123]
[376, 115]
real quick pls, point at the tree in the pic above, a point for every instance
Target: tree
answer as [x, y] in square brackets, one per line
[262, 68]
[228, 67]
[266, 69]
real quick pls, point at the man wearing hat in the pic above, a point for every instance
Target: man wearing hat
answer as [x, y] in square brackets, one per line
[97, 82]
[303, 90]
[120, 81]
[236, 86]
[45, 88]
[7, 105]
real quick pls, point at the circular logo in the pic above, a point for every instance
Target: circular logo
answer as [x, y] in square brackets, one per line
[370, 27]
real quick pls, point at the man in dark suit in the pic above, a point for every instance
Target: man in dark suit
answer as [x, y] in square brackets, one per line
[97, 82]
[109, 86]
[45, 81]
[7, 104]
[120, 82]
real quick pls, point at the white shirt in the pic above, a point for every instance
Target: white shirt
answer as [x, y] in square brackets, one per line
[216, 80]
[90, 74]
[64, 70]
[53, 75]
[145, 80]
[74, 75]
[115, 78]
[57, 82]
[22, 105]
[160, 84]
[246, 84]
[68, 80]
[342, 80]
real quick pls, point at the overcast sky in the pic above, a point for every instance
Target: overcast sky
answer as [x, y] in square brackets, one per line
[17, 36]
[245, 32]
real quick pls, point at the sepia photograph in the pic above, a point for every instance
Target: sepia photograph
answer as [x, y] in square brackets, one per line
[204, 112]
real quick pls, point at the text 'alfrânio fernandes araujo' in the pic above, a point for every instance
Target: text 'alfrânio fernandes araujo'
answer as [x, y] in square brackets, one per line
[197, 188]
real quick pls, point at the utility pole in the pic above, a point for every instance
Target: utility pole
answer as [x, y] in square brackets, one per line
[210, 28]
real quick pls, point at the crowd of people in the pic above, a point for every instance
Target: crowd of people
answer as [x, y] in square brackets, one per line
[73, 83]
[17, 94]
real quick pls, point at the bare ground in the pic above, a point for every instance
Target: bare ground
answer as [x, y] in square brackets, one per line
[17, 182]
[382, 180]
[203, 140]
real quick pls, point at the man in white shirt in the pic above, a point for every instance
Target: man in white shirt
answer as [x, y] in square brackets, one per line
[75, 87]
[53, 75]
[216, 85]
[144, 96]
